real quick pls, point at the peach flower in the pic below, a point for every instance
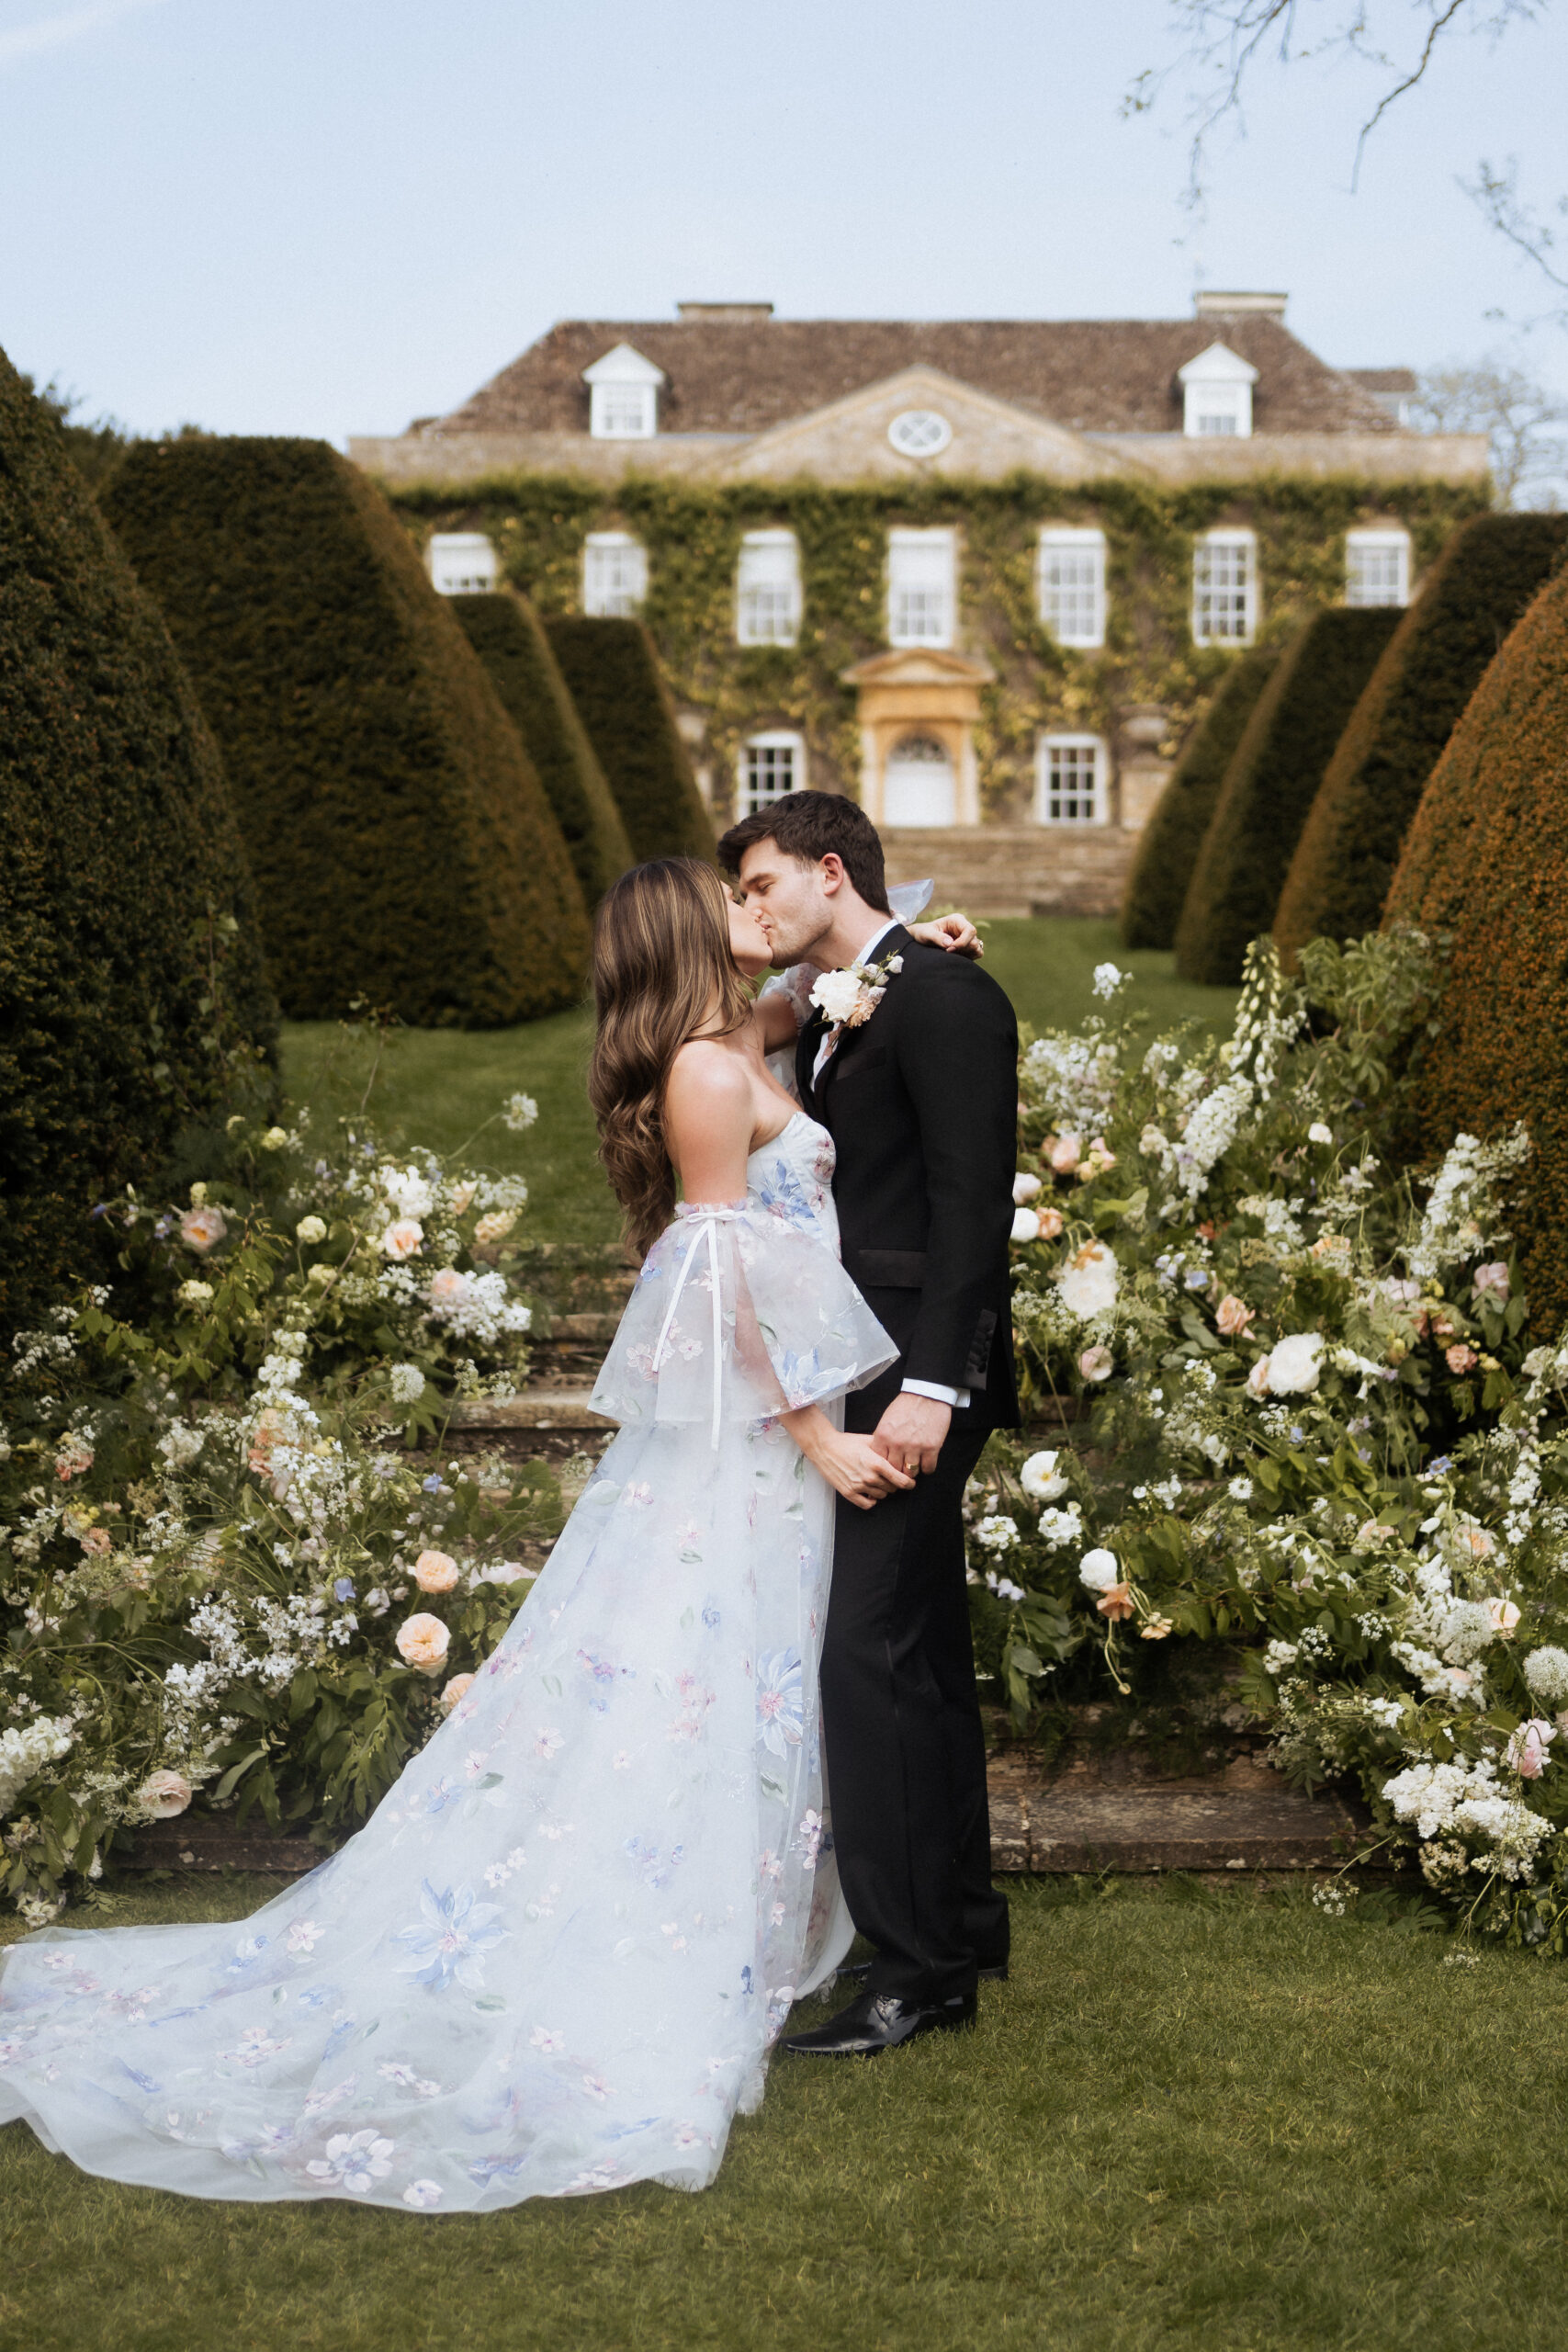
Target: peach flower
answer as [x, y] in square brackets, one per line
[435, 1572]
[1117, 1603]
[96, 1542]
[1459, 1357]
[1504, 1615]
[1257, 1378]
[494, 1227]
[1234, 1315]
[1155, 1628]
[1066, 1153]
[447, 1287]
[163, 1795]
[1096, 1364]
[202, 1230]
[402, 1238]
[452, 1692]
[462, 1198]
[422, 1641]
[1491, 1282]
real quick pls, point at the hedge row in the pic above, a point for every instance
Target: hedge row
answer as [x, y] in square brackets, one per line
[1486, 861]
[505, 632]
[128, 1001]
[1151, 905]
[1270, 784]
[402, 847]
[612, 676]
[1471, 599]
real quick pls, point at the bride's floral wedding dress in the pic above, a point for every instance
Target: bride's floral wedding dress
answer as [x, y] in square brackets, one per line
[554, 1960]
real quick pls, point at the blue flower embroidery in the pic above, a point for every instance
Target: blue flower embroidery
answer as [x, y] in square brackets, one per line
[783, 1192]
[780, 1705]
[451, 1944]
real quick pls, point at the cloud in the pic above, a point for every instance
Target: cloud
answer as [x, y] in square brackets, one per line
[75, 24]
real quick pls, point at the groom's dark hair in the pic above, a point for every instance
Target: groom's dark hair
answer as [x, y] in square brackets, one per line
[810, 826]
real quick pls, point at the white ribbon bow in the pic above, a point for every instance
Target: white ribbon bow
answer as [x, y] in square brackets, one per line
[706, 1221]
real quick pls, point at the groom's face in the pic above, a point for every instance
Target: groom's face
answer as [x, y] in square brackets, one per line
[789, 900]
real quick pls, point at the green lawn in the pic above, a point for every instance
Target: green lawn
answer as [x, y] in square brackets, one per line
[436, 1086]
[1216, 2121]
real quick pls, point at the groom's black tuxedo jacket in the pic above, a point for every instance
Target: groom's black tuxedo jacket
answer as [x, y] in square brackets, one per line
[921, 1102]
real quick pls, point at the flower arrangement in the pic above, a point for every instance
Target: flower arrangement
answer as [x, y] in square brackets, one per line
[224, 1568]
[1317, 1431]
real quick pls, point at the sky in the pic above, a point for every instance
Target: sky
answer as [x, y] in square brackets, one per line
[330, 216]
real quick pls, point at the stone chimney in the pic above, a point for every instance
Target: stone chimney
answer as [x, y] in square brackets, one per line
[1206, 305]
[726, 314]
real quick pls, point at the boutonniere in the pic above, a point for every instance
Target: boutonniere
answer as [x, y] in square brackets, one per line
[848, 998]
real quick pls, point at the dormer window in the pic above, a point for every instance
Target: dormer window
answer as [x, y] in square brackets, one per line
[1217, 392]
[623, 396]
[462, 563]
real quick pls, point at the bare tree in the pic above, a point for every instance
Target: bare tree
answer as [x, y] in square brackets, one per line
[1493, 397]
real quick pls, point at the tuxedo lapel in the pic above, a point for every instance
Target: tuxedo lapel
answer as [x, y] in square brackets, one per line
[892, 942]
[805, 1057]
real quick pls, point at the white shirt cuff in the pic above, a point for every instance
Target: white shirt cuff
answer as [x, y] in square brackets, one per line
[957, 1397]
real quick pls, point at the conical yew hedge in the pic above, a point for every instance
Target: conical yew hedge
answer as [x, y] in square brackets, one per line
[507, 635]
[131, 986]
[1151, 905]
[1349, 846]
[612, 674]
[402, 847]
[1485, 861]
[1270, 785]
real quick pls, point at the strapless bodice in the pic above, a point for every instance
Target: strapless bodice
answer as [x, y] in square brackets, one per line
[792, 1177]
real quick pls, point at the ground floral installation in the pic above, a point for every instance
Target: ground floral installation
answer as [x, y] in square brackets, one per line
[222, 1566]
[1317, 1431]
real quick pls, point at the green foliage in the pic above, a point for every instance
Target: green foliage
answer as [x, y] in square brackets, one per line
[1270, 785]
[1471, 599]
[1485, 861]
[693, 533]
[1173, 839]
[612, 674]
[133, 1001]
[402, 846]
[505, 632]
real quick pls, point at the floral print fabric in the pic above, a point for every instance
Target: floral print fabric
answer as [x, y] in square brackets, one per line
[555, 1959]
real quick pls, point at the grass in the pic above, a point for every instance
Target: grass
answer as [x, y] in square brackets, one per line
[1210, 2119]
[436, 1086]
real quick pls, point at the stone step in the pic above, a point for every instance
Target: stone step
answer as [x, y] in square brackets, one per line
[560, 1406]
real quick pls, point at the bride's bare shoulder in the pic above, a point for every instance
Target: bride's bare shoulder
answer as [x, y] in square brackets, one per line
[708, 1081]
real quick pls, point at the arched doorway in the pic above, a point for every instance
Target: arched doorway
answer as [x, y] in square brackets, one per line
[918, 785]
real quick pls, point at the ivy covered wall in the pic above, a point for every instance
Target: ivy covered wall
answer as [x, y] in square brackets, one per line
[693, 533]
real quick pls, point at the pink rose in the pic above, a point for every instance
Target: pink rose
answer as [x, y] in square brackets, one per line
[1066, 1154]
[1491, 1282]
[1234, 1315]
[435, 1572]
[1460, 1358]
[1050, 1222]
[1504, 1615]
[164, 1795]
[202, 1230]
[1096, 1364]
[402, 1238]
[96, 1542]
[1526, 1748]
[452, 1692]
[422, 1641]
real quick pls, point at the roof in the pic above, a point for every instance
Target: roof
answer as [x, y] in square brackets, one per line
[1093, 375]
[1384, 379]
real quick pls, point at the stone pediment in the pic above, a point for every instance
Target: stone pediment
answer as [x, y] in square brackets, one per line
[919, 666]
[970, 434]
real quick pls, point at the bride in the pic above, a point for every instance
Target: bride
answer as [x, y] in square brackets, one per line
[555, 1959]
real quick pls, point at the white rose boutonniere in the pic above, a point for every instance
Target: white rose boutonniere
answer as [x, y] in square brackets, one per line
[848, 998]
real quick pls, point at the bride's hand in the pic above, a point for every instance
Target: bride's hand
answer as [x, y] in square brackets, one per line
[851, 1465]
[954, 933]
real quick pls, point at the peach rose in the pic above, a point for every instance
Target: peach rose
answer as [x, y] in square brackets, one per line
[163, 1795]
[1257, 1378]
[447, 1287]
[1117, 1603]
[1460, 1359]
[1503, 1614]
[462, 1198]
[1065, 1154]
[1050, 1222]
[402, 1238]
[494, 1227]
[202, 1230]
[435, 1572]
[422, 1641]
[452, 1692]
[1234, 1315]
[96, 1542]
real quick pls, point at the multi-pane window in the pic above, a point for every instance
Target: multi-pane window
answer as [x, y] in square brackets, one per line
[768, 589]
[1224, 588]
[1216, 390]
[1072, 780]
[1072, 585]
[922, 598]
[622, 412]
[1377, 567]
[615, 574]
[771, 765]
[462, 563]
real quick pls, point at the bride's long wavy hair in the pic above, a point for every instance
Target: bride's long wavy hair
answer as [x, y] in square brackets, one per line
[662, 971]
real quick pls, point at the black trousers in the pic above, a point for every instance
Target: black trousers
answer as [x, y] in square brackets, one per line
[906, 1750]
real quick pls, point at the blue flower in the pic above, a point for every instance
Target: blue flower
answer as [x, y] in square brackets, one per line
[449, 1946]
[433, 1486]
[783, 1192]
[781, 1705]
[344, 1588]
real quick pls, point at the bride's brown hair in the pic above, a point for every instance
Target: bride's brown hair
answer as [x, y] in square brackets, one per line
[663, 973]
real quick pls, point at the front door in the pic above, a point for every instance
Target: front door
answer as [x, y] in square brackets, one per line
[918, 786]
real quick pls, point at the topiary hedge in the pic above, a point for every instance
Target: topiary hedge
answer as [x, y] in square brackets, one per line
[1270, 784]
[1150, 904]
[505, 632]
[132, 995]
[612, 676]
[1470, 600]
[1486, 862]
[402, 847]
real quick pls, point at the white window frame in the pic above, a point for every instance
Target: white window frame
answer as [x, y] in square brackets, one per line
[614, 576]
[767, 589]
[769, 745]
[462, 563]
[623, 396]
[1076, 615]
[1382, 539]
[1203, 633]
[935, 625]
[1048, 774]
[1217, 395]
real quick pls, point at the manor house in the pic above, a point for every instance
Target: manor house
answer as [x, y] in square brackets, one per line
[982, 573]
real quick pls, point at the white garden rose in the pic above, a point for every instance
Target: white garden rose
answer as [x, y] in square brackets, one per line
[1025, 1188]
[1100, 1571]
[422, 1641]
[402, 1240]
[1040, 1478]
[1060, 1527]
[409, 1193]
[164, 1795]
[202, 1230]
[1295, 1364]
[1025, 1225]
[998, 1532]
[1089, 1281]
[837, 994]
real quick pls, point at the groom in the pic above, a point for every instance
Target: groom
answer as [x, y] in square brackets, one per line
[921, 1099]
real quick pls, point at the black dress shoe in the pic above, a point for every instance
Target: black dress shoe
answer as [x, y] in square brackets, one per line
[997, 1974]
[880, 2021]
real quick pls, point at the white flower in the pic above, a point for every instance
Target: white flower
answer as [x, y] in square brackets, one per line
[521, 1112]
[997, 1534]
[423, 2195]
[1025, 1225]
[410, 1192]
[1318, 1133]
[1546, 1671]
[180, 1444]
[202, 1230]
[355, 2159]
[1107, 979]
[1099, 1571]
[164, 1795]
[1527, 1747]
[25, 1750]
[194, 1294]
[311, 1230]
[407, 1383]
[275, 1139]
[1295, 1364]
[1240, 1490]
[1087, 1281]
[838, 994]
[1040, 1478]
[1025, 1188]
[1060, 1528]
[402, 1240]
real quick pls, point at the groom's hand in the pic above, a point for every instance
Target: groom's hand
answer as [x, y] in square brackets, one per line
[911, 1432]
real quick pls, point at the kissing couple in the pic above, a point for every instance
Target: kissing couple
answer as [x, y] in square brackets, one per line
[735, 1722]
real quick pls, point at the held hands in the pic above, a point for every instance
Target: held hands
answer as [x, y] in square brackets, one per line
[911, 1433]
[853, 1466]
[954, 933]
